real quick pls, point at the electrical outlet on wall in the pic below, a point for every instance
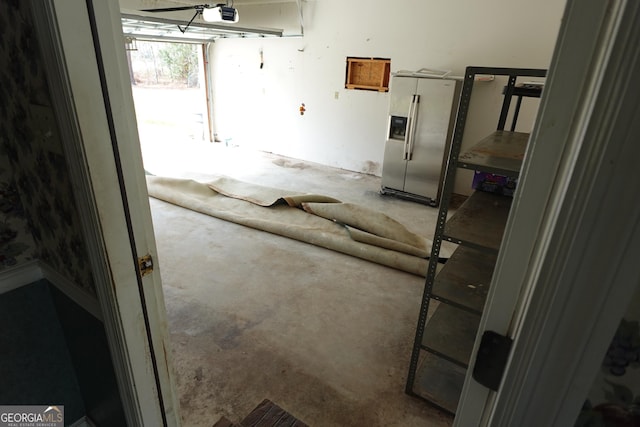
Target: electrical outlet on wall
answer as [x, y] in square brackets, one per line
[45, 128]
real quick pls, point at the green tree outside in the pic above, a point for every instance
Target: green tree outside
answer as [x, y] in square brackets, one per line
[182, 62]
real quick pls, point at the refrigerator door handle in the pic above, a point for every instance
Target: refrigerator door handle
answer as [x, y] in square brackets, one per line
[407, 133]
[412, 127]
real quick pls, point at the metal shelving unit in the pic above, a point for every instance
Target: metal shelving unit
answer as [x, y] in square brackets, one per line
[443, 344]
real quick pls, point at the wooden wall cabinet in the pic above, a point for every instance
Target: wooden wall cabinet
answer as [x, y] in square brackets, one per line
[368, 74]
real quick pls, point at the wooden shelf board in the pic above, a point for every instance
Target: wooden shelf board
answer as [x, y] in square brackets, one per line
[451, 332]
[480, 221]
[440, 382]
[465, 278]
[500, 153]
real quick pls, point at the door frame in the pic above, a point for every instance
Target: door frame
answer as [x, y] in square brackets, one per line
[568, 261]
[100, 183]
[83, 51]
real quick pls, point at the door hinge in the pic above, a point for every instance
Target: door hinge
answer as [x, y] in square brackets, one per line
[145, 265]
[491, 360]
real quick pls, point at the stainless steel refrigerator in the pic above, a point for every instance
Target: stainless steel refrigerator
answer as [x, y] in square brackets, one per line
[421, 119]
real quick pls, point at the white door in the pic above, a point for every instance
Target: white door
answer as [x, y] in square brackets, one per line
[568, 261]
[83, 48]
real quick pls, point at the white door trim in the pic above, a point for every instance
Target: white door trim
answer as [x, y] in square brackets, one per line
[110, 192]
[19, 275]
[29, 272]
[588, 270]
[565, 223]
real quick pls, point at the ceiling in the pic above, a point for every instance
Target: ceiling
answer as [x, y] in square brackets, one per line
[137, 24]
[167, 29]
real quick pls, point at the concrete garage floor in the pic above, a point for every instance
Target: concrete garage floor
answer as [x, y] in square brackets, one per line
[253, 315]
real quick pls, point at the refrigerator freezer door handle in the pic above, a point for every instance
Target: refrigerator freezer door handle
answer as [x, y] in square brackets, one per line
[412, 126]
[407, 133]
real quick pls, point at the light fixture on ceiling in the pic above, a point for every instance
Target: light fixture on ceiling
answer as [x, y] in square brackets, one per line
[221, 13]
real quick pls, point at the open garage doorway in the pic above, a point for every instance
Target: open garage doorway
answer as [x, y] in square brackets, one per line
[169, 85]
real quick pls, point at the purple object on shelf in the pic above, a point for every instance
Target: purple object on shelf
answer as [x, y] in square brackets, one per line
[493, 183]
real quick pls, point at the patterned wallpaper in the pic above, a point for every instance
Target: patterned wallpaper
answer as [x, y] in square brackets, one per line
[16, 241]
[33, 153]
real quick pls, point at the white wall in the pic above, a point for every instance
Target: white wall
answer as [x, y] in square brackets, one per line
[345, 128]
